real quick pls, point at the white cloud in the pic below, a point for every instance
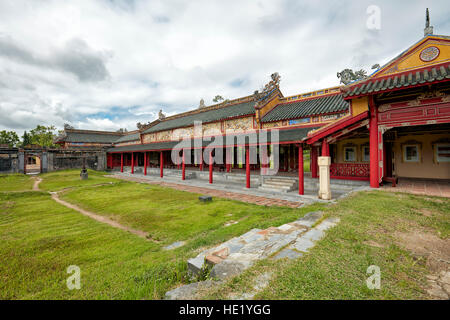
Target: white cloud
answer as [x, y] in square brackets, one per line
[112, 63]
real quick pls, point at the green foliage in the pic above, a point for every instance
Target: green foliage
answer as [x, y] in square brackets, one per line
[26, 139]
[218, 98]
[43, 136]
[9, 137]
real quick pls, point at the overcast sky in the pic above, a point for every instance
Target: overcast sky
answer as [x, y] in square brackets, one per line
[109, 64]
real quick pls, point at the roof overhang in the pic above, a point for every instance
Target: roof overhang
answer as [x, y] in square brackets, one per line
[399, 81]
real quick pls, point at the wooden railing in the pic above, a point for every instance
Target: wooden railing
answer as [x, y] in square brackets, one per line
[357, 171]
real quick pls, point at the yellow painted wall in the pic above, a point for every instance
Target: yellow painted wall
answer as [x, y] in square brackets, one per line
[412, 59]
[358, 143]
[427, 168]
[360, 105]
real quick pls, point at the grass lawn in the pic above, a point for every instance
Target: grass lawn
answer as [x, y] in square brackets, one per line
[39, 239]
[15, 182]
[71, 178]
[367, 235]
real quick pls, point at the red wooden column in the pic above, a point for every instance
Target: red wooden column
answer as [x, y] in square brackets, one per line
[313, 159]
[183, 168]
[201, 160]
[121, 162]
[373, 131]
[161, 164]
[132, 162]
[325, 148]
[210, 167]
[247, 167]
[228, 159]
[145, 163]
[301, 182]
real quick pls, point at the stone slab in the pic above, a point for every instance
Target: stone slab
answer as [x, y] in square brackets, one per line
[303, 244]
[309, 219]
[188, 292]
[175, 245]
[288, 253]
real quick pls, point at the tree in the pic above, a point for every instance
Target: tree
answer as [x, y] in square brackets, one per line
[43, 136]
[9, 137]
[348, 75]
[218, 98]
[26, 139]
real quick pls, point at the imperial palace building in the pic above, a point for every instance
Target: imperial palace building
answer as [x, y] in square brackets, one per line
[393, 124]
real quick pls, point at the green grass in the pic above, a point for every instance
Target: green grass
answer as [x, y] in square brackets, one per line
[15, 182]
[171, 215]
[59, 180]
[336, 267]
[39, 238]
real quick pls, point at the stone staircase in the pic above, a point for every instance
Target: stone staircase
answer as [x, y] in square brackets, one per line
[232, 257]
[279, 184]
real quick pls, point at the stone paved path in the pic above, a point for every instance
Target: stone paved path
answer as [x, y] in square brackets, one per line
[232, 257]
[217, 193]
[421, 187]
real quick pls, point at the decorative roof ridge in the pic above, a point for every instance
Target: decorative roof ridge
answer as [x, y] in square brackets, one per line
[223, 104]
[311, 98]
[93, 131]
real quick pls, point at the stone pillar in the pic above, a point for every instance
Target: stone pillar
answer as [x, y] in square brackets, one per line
[324, 178]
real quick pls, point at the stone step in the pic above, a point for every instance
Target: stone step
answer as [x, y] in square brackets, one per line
[270, 189]
[283, 183]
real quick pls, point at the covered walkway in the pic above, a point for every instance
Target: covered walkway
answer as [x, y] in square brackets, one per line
[429, 187]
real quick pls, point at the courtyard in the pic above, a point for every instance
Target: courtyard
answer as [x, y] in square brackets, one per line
[406, 235]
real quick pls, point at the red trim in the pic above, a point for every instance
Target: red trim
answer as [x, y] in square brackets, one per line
[350, 178]
[247, 168]
[210, 168]
[339, 125]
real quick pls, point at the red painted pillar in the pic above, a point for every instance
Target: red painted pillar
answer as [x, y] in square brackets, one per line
[183, 168]
[373, 131]
[132, 162]
[161, 164]
[210, 167]
[145, 163]
[313, 159]
[201, 160]
[228, 159]
[301, 182]
[247, 167]
[121, 162]
[325, 148]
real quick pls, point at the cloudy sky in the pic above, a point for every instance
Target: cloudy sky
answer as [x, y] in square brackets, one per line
[109, 64]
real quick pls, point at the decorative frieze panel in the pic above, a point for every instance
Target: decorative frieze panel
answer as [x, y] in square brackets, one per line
[239, 125]
[356, 170]
[429, 110]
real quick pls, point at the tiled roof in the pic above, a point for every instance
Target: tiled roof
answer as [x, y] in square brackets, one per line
[398, 81]
[291, 135]
[89, 137]
[128, 137]
[236, 110]
[307, 107]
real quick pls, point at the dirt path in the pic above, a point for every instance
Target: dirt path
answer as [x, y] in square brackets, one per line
[99, 218]
[91, 215]
[36, 184]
